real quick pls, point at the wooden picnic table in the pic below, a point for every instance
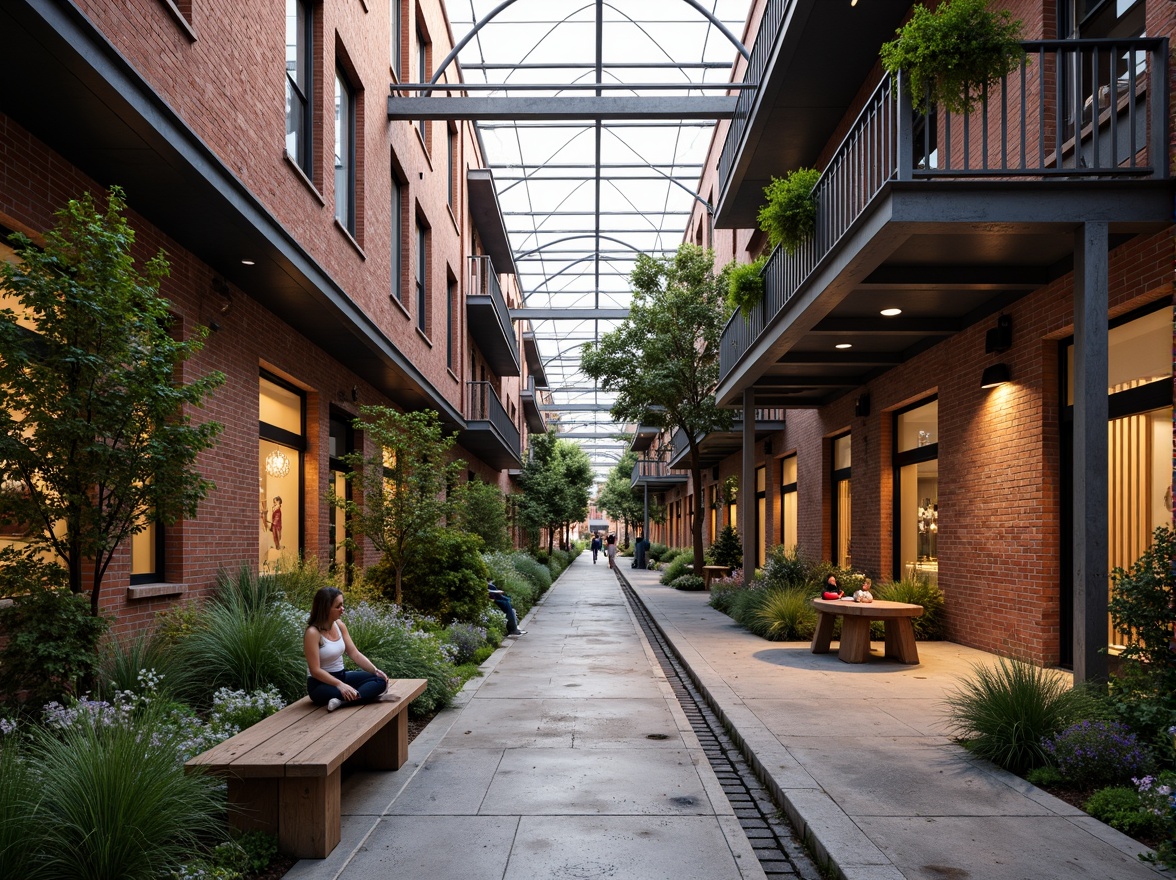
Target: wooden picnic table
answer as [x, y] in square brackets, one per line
[855, 628]
[710, 572]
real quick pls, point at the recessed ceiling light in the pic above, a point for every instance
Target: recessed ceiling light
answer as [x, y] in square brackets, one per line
[247, 263]
[890, 313]
[843, 345]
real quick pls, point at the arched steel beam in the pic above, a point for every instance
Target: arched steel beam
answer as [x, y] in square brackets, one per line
[493, 13]
[592, 235]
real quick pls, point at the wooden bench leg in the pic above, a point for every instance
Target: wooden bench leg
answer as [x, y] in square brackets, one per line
[253, 804]
[855, 639]
[388, 747]
[900, 640]
[309, 824]
[824, 633]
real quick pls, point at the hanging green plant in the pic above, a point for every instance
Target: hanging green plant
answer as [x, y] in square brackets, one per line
[790, 215]
[745, 285]
[951, 54]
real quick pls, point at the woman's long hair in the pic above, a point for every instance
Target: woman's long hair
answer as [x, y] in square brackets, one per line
[320, 608]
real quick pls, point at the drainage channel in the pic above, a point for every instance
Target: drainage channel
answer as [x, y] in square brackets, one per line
[780, 854]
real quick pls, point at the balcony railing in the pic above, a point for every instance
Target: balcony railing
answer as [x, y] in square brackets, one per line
[491, 326]
[654, 471]
[1035, 125]
[761, 51]
[484, 406]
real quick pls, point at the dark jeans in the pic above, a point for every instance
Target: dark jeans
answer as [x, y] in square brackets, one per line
[512, 619]
[369, 685]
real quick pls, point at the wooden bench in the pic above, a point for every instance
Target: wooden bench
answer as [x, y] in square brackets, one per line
[855, 628]
[284, 772]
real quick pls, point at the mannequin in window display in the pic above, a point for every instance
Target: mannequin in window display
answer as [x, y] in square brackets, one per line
[276, 522]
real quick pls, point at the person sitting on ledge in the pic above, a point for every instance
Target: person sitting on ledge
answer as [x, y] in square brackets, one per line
[499, 598]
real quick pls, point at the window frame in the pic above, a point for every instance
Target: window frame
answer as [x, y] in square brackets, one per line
[304, 68]
[421, 269]
[345, 137]
[900, 460]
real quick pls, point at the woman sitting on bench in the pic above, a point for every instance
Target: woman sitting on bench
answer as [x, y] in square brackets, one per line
[325, 643]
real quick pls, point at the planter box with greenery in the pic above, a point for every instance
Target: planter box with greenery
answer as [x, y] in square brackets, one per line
[789, 216]
[952, 54]
[745, 285]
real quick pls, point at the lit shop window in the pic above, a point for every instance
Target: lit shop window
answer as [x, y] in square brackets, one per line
[842, 508]
[279, 487]
[916, 461]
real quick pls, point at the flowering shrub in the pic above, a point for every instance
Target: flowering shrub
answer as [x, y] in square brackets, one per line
[1097, 753]
[465, 639]
[395, 642]
[233, 711]
[1159, 796]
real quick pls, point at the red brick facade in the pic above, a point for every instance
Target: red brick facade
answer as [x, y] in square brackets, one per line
[1000, 472]
[220, 70]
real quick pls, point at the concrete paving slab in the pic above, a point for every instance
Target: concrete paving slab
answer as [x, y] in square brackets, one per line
[570, 686]
[1000, 848]
[597, 781]
[451, 782]
[468, 847]
[489, 723]
[627, 848]
[903, 778]
[799, 717]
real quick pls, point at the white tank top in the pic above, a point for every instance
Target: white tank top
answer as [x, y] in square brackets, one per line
[331, 652]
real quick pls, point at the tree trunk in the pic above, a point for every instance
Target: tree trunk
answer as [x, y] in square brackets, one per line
[696, 526]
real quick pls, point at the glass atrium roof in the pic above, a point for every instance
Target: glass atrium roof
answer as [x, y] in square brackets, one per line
[581, 197]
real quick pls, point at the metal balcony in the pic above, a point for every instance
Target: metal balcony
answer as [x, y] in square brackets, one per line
[489, 318]
[489, 433]
[952, 217]
[718, 445]
[656, 474]
[533, 399]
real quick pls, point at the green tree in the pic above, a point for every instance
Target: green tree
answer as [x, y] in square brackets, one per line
[663, 361]
[94, 424]
[576, 478]
[617, 497]
[407, 484]
[555, 481]
[484, 514]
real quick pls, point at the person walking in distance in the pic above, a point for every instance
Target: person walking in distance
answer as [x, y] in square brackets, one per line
[612, 551]
[595, 546]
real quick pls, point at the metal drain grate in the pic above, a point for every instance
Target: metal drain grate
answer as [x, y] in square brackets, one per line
[779, 852]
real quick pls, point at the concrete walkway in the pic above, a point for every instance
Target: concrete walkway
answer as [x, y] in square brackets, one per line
[553, 764]
[859, 757]
[570, 758]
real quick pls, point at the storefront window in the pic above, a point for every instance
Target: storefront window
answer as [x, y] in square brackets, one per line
[1139, 435]
[341, 444]
[281, 418]
[916, 460]
[842, 506]
[788, 519]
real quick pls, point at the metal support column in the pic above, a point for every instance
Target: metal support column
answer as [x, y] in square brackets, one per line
[747, 504]
[1091, 282]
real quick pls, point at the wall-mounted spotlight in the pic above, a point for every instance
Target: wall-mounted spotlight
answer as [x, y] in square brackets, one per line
[997, 374]
[1000, 337]
[861, 406]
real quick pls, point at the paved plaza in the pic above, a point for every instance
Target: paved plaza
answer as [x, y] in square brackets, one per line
[571, 758]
